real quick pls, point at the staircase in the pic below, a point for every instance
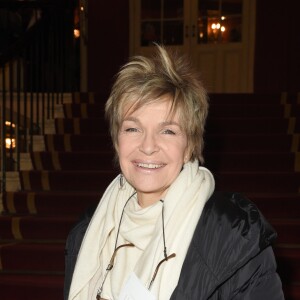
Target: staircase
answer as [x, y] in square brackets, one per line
[252, 146]
[67, 172]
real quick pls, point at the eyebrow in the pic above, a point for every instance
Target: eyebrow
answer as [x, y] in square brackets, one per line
[165, 123]
[131, 119]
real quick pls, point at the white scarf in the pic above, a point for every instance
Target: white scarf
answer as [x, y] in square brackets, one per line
[183, 203]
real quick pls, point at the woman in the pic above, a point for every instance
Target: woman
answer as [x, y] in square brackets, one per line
[160, 231]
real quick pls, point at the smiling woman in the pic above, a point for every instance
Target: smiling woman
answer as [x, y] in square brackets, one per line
[151, 150]
[160, 231]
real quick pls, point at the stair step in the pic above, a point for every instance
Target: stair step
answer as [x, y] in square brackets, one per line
[247, 162]
[277, 205]
[79, 126]
[50, 126]
[247, 125]
[50, 203]
[12, 181]
[66, 180]
[38, 143]
[35, 227]
[78, 143]
[32, 257]
[288, 261]
[246, 98]
[251, 110]
[258, 182]
[72, 161]
[83, 110]
[27, 286]
[291, 291]
[287, 230]
[242, 142]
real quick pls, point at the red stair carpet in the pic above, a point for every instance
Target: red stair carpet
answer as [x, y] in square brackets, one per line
[252, 146]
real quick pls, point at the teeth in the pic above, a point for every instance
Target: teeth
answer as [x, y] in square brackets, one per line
[149, 166]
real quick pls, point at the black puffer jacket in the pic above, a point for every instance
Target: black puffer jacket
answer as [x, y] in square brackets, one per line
[230, 256]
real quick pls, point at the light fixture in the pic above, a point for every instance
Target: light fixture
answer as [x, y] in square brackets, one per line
[10, 142]
[76, 33]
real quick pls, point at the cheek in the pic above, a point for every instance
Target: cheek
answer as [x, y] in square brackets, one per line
[124, 147]
[185, 150]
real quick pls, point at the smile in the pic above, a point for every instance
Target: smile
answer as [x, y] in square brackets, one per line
[149, 166]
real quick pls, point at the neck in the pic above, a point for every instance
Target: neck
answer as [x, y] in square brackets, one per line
[148, 199]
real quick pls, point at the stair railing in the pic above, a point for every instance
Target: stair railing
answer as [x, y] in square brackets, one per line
[38, 64]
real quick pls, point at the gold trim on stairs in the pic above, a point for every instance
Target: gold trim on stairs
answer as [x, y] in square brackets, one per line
[15, 228]
[31, 203]
[37, 161]
[55, 161]
[10, 202]
[292, 125]
[26, 180]
[45, 180]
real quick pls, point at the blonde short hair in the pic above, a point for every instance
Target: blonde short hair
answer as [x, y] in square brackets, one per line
[144, 80]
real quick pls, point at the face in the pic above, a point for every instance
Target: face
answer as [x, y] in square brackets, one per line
[152, 149]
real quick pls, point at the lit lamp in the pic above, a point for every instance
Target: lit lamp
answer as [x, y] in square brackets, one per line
[10, 142]
[217, 29]
[76, 33]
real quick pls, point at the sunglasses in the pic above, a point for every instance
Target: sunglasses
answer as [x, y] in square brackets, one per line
[117, 248]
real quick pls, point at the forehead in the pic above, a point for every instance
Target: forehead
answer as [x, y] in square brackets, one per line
[163, 105]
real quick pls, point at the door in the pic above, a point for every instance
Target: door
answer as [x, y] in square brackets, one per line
[158, 21]
[217, 34]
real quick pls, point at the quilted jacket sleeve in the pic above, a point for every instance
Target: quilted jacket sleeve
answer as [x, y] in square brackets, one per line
[256, 280]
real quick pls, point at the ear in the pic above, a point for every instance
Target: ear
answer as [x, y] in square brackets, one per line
[186, 159]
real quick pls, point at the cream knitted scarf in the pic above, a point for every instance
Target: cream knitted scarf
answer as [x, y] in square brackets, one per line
[183, 205]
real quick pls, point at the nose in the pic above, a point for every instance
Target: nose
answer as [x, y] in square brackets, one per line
[149, 144]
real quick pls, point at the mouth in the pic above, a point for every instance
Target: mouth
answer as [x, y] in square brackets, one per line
[149, 166]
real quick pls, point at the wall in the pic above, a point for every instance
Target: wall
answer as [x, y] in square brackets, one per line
[277, 46]
[277, 50]
[108, 45]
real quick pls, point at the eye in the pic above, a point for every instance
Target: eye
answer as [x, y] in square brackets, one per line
[131, 129]
[168, 131]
